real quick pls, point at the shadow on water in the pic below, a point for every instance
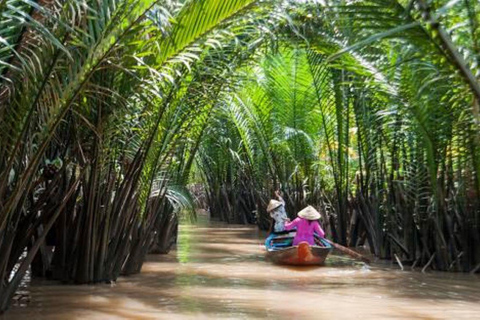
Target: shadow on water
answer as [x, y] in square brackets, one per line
[219, 271]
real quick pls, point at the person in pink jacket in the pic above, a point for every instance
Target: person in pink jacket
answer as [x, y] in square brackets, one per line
[306, 225]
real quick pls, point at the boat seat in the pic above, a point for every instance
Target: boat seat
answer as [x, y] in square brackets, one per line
[281, 243]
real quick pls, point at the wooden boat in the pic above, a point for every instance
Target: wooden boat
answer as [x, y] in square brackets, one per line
[280, 250]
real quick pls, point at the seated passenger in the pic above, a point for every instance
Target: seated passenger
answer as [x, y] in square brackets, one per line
[278, 213]
[306, 225]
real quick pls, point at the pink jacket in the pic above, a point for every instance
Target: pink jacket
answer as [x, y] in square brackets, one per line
[305, 230]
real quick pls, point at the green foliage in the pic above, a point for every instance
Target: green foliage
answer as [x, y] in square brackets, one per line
[108, 88]
[368, 110]
[363, 110]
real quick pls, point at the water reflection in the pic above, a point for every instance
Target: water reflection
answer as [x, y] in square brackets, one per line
[219, 271]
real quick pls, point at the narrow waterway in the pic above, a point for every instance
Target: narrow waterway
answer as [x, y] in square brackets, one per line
[219, 271]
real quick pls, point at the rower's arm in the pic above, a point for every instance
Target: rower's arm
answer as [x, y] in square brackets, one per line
[318, 230]
[279, 197]
[291, 225]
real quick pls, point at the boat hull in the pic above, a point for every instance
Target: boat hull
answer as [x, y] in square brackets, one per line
[302, 254]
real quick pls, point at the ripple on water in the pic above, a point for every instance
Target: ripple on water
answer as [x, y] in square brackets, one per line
[220, 271]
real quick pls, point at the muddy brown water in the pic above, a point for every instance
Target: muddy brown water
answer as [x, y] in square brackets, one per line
[219, 271]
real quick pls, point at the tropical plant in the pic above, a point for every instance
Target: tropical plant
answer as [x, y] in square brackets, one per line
[392, 120]
[366, 109]
[95, 98]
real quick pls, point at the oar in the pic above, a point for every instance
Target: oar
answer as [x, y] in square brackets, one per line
[351, 253]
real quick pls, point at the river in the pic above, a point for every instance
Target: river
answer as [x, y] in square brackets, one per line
[219, 271]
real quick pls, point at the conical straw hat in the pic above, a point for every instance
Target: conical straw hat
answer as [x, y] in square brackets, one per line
[309, 213]
[274, 204]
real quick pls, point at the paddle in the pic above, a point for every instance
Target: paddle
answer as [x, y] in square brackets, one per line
[351, 253]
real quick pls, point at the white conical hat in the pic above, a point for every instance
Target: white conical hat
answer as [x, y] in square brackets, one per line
[274, 204]
[309, 213]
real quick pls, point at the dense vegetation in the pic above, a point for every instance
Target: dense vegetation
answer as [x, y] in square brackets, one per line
[365, 109]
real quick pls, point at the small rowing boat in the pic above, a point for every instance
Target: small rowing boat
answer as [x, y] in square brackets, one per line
[280, 250]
